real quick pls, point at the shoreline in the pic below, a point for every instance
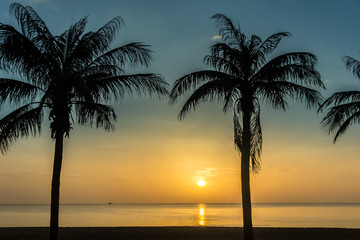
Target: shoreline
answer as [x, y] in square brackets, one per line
[177, 233]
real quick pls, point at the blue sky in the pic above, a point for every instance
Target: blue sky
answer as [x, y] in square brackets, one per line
[180, 33]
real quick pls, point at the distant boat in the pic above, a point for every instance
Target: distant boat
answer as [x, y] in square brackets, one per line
[109, 203]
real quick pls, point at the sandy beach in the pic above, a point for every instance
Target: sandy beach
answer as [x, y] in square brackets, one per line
[177, 233]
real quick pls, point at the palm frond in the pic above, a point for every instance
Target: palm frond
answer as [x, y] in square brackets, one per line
[340, 117]
[30, 22]
[101, 71]
[276, 92]
[17, 91]
[345, 109]
[298, 67]
[303, 58]
[117, 86]
[82, 92]
[106, 34]
[339, 98]
[225, 59]
[135, 53]
[255, 42]
[95, 114]
[77, 28]
[68, 41]
[96, 43]
[270, 44]
[215, 90]
[34, 28]
[273, 94]
[354, 118]
[230, 34]
[352, 65]
[18, 54]
[193, 80]
[256, 140]
[22, 122]
[260, 51]
[229, 99]
[256, 137]
[237, 132]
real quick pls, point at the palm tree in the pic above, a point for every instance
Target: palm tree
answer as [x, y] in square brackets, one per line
[345, 106]
[242, 75]
[71, 77]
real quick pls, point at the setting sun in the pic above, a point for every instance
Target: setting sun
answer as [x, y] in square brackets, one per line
[201, 182]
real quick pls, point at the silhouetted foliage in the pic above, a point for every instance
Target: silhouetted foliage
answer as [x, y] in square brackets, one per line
[343, 108]
[242, 76]
[71, 78]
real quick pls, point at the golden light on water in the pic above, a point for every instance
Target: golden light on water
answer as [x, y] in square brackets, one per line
[201, 216]
[201, 212]
[201, 182]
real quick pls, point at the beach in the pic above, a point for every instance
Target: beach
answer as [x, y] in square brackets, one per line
[177, 233]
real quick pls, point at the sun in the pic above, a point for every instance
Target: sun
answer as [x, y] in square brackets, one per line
[201, 182]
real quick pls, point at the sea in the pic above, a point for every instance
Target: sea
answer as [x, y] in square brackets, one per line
[333, 215]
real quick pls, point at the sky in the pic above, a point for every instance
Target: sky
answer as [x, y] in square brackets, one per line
[152, 157]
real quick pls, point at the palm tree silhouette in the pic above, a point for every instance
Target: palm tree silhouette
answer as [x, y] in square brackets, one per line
[343, 108]
[242, 76]
[70, 77]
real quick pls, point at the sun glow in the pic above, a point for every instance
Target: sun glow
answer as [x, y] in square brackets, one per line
[201, 182]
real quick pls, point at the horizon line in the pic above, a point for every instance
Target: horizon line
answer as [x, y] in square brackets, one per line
[168, 203]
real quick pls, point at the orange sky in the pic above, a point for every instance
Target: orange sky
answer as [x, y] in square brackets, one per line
[152, 157]
[163, 161]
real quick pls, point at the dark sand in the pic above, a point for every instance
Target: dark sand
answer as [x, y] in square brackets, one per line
[177, 233]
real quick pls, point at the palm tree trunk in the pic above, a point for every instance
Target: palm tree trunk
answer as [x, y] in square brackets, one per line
[245, 177]
[55, 186]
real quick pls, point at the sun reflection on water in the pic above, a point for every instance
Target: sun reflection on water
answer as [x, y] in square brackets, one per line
[201, 216]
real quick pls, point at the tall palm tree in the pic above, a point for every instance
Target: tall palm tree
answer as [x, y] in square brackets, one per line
[343, 107]
[71, 77]
[243, 75]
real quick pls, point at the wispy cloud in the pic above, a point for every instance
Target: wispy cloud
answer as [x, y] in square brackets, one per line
[93, 178]
[21, 175]
[206, 172]
[212, 172]
[79, 177]
[216, 37]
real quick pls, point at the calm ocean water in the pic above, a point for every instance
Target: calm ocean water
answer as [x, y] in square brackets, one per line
[226, 215]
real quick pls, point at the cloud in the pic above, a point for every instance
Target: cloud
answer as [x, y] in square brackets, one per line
[212, 172]
[23, 174]
[79, 177]
[216, 37]
[206, 172]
